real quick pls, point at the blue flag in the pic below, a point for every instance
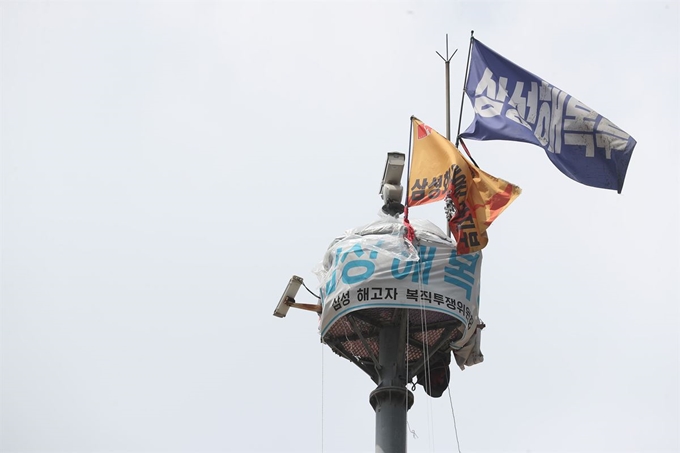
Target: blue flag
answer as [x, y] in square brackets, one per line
[511, 103]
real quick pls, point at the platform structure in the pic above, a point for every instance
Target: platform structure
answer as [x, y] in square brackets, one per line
[394, 300]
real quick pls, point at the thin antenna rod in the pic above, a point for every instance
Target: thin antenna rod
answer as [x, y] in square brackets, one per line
[447, 60]
[462, 99]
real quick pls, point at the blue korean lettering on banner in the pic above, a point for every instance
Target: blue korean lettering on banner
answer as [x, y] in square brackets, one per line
[418, 268]
[354, 271]
[511, 103]
[362, 273]
[461, 271]
[353, 264]
[357, 270]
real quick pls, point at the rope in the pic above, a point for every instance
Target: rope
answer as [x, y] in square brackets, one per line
[468, 152]
[411, 236]
[406, 358]
[455, 428]
[415, 436]
[426, 351]
[410, 232]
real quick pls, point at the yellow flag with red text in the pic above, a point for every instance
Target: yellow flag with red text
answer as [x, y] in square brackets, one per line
[439, 170]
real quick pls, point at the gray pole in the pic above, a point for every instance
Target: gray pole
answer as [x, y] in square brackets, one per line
[462, 98]
[391, 399]
[447, 60]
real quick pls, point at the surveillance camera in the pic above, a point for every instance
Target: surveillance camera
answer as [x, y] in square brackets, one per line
[288, 296]
[390, 187]
[394, 168]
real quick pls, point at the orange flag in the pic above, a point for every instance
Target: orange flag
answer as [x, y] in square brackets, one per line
[439, 170]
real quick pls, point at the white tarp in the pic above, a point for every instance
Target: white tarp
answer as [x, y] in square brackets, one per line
[375, 266]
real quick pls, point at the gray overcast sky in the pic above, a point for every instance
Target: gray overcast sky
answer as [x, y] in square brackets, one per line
[167, 166]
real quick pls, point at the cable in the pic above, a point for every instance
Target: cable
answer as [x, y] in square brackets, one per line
[310, 291]
[455, 428]
[322, 397]
[408, 321]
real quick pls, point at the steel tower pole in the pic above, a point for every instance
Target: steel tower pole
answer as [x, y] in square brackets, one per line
[391, 400]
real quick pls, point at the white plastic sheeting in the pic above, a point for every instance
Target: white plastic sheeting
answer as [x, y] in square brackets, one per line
[372, 270]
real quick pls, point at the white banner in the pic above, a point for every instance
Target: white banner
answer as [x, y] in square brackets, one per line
[379, 270]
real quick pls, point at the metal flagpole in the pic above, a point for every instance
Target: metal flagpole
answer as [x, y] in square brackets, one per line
[462, 99]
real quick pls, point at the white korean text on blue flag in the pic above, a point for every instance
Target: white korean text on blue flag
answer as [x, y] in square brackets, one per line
[511, 103]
